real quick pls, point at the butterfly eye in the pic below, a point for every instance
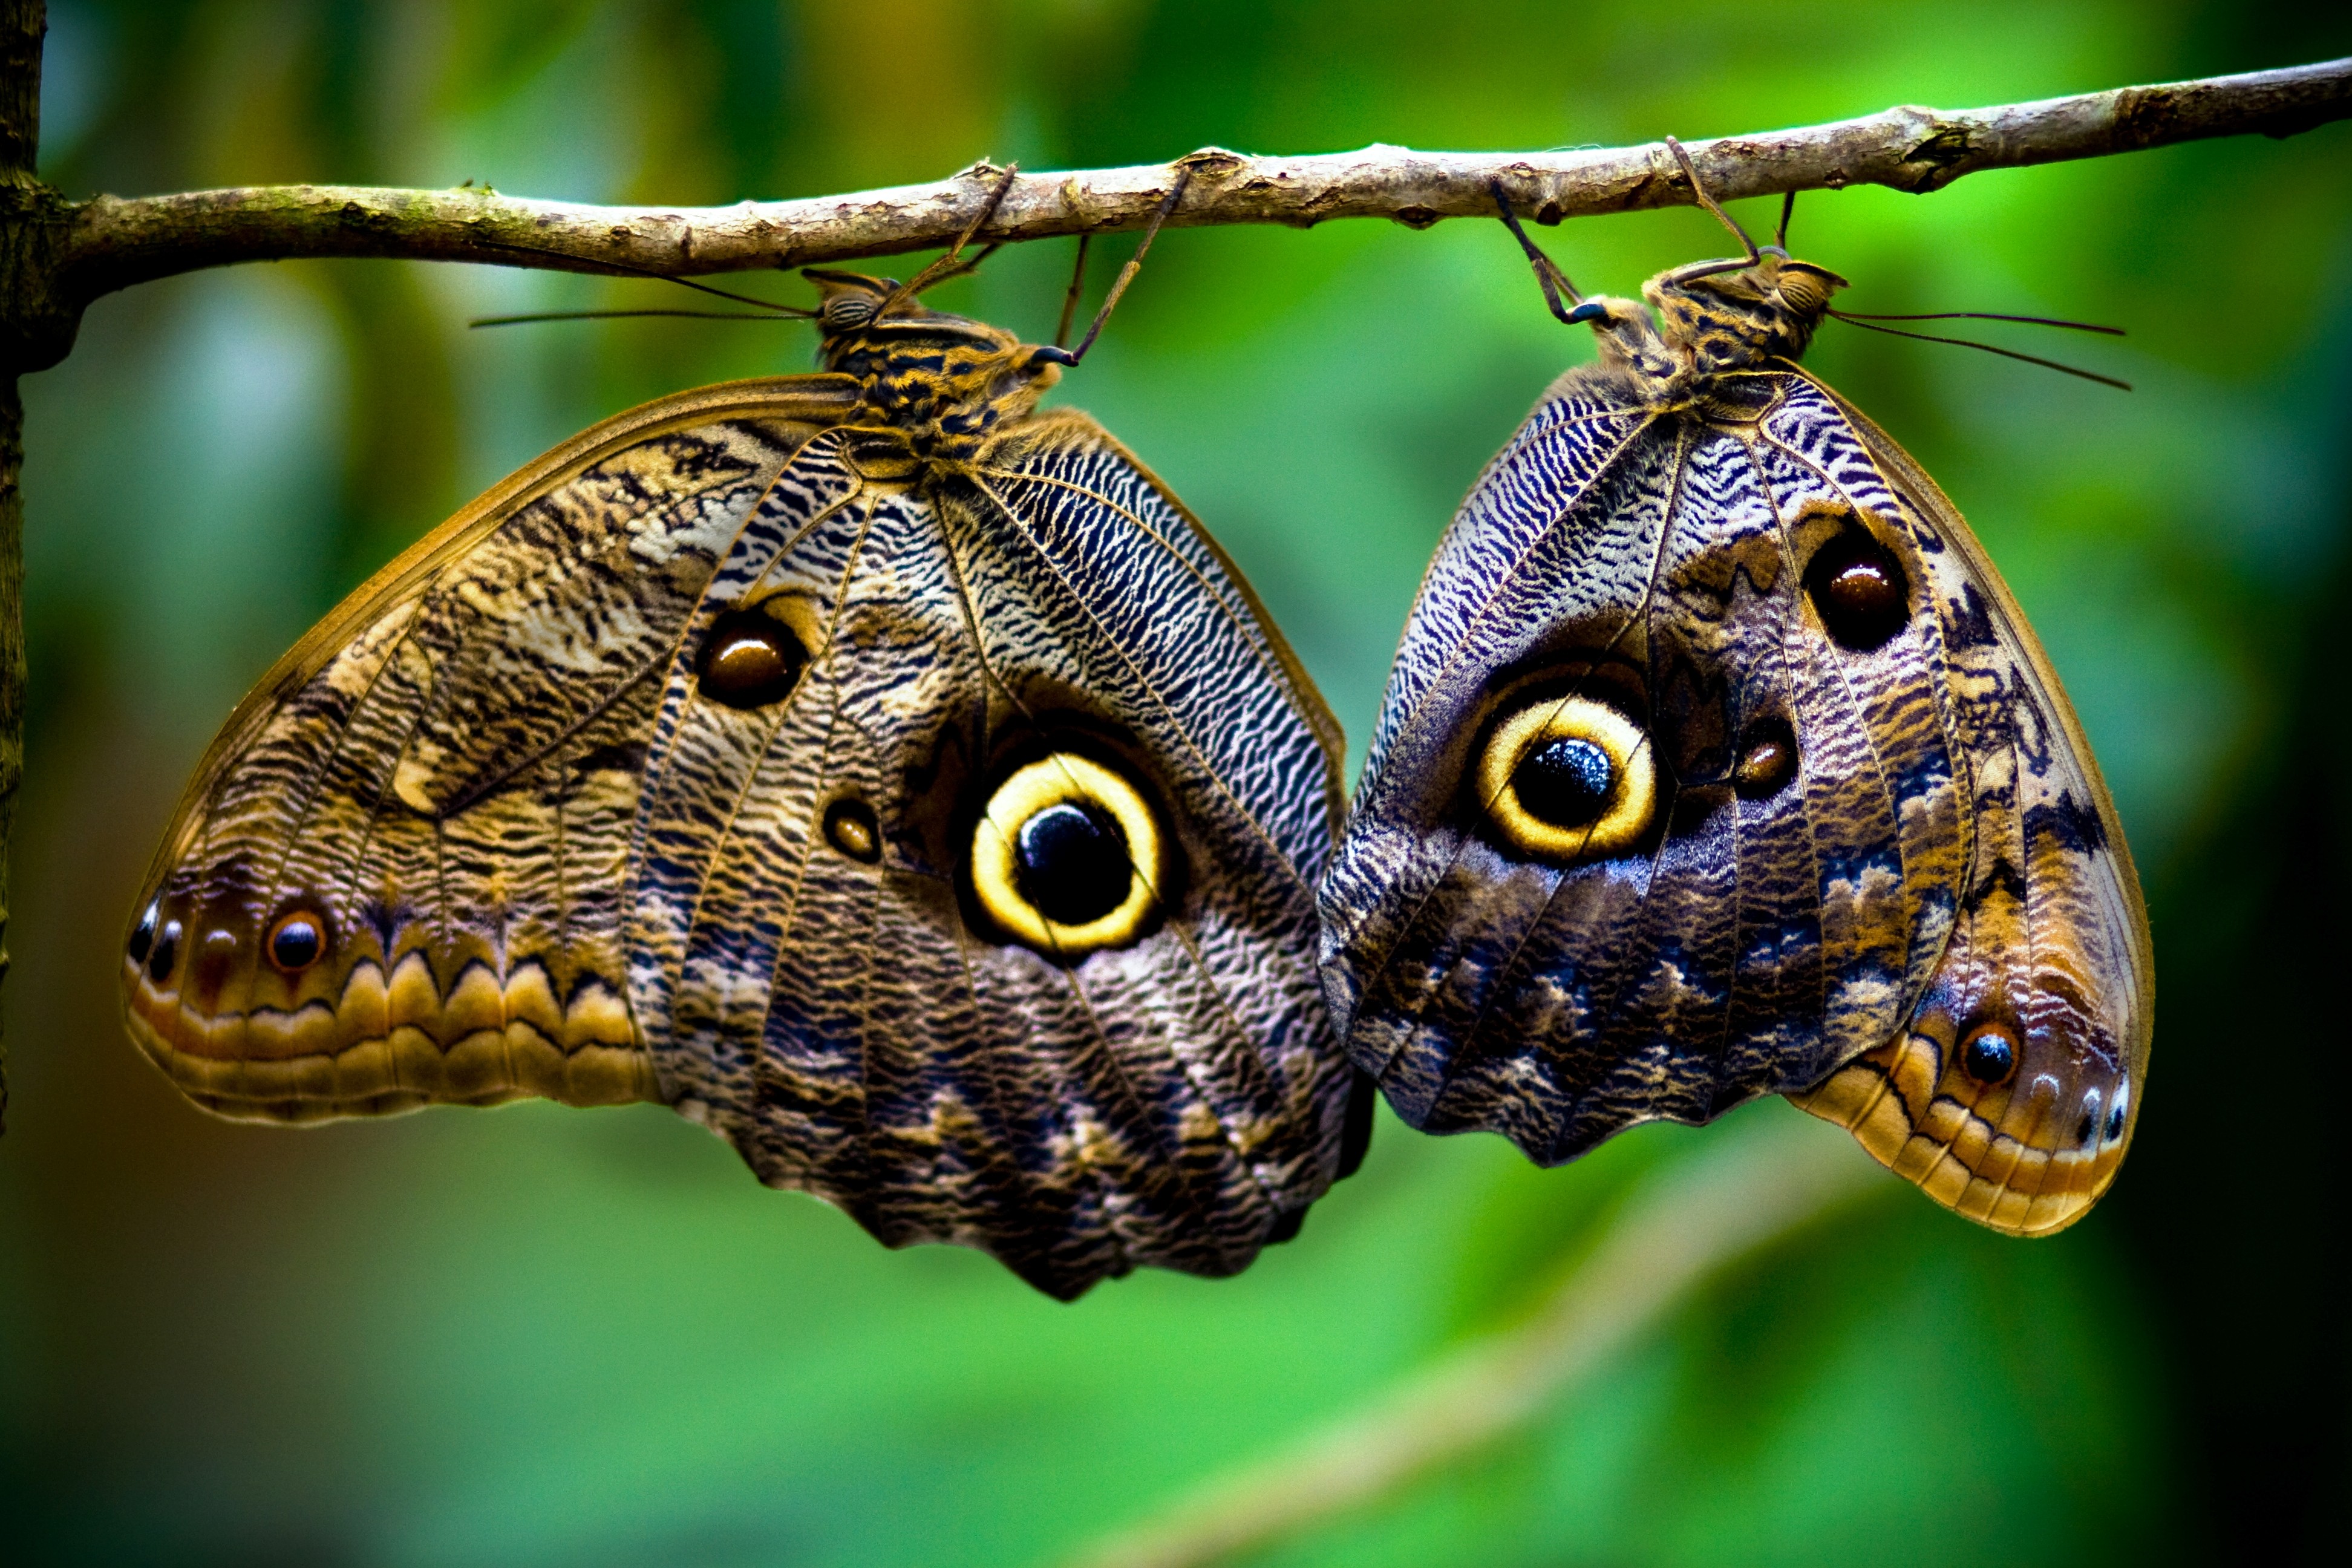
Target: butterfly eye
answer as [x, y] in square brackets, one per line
[1068, 858]
[1801, 291]
[296, 942]
[850, 828]
[749, 660]
[844, 311]
[1990, 1053]
[1565, 778]
[1858, 589]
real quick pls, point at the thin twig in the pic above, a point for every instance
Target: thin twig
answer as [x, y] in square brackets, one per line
[111, 242]
[1758, 1184]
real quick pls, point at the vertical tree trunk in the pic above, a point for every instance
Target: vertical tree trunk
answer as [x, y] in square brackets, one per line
[21, 24]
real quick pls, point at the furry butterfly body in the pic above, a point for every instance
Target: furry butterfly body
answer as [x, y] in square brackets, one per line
[1716, 761]
[889, 776]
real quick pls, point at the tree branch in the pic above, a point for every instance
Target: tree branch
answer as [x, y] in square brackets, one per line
[110, 243]
[23, 24]
[1754, 1186]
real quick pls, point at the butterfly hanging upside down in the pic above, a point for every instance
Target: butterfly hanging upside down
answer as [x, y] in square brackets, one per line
[889, 776]
[1718, 760]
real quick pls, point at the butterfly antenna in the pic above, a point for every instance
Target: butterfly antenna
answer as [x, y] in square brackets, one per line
[618, 315]
[1858, 317]
[1070, 300]
[1788, 211]
[1059, 355]
[1549, 277]
[1990, 349]
[1698, 190]
[952, 264]
[625, 269]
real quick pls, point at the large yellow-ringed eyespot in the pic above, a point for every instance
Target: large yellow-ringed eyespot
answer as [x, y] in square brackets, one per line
[1068, 858]
[1567, 777]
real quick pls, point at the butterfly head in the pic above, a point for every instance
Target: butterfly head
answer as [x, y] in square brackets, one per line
[1731, 316]
[946, 380]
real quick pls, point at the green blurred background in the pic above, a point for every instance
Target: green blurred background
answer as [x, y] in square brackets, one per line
[549, 1336]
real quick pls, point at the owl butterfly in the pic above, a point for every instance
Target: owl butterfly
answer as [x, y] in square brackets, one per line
[1716, 761]
[889, 776]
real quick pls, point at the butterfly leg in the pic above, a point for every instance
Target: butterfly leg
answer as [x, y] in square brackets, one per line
[1070, 300]
[1697, 269]
[952, 264]
[1059, 355]
[1549, 277]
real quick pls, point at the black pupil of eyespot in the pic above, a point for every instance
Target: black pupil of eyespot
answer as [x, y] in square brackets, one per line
[1989, 1057]
[295, 944]
[144, 937]
[1072, 863]
[2116, 1122]
[2083, 1128]
[1858, 590]
[165, 953]
[749, 660]
[1564, 782]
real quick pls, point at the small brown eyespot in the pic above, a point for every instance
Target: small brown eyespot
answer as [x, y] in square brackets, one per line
[1767, 760]
[1989, 1053]
[1858, 589]
[750, 659]
[296, 942]
[850, 828]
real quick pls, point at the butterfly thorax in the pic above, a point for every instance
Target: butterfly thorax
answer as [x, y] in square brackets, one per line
[1714, 319]
[945, 382]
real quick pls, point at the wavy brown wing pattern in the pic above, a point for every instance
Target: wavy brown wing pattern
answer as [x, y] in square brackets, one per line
[719, 759]
[1714, 759]
[429, 801]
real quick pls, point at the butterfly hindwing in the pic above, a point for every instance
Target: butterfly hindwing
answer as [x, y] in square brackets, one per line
[1740, 938]
[849, 1021]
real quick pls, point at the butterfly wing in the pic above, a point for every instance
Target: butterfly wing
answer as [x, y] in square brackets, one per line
[834, 979]
[2011, 1094]
[397, 876]
[1815, 777]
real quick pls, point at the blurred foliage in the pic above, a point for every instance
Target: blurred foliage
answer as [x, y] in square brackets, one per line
[554, 1336]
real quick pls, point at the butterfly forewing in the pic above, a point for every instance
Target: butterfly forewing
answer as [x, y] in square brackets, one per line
[454, 858]
[2049, 959]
